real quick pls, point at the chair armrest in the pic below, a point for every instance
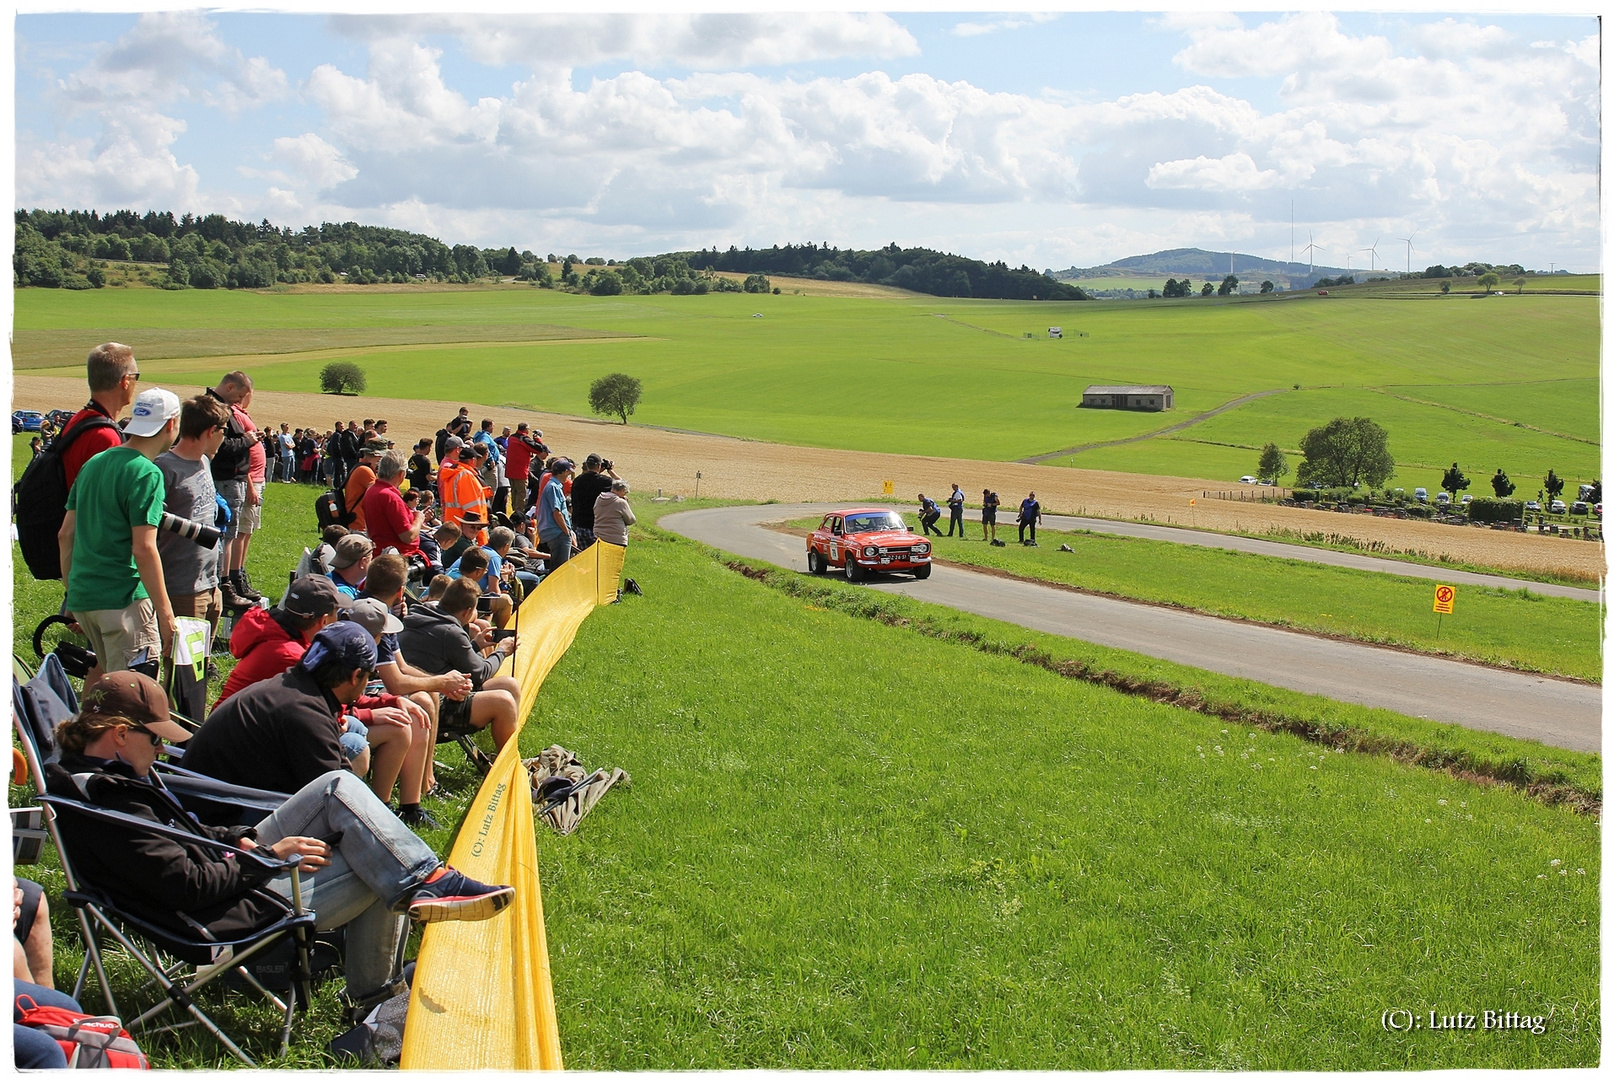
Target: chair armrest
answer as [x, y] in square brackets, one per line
[140, 824]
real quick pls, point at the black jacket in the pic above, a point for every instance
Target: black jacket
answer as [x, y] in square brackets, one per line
[586, 487]
[234, 459]
[437, 644]
[276, 734]
[174, 884]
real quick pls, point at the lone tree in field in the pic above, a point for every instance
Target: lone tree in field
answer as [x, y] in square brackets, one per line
[615, 395]
[341, 377]
[1501, 484]
[1345, 452]
[1519, 282]
[1230, 285]
[1274, 463]
[1554, 484]
[1454, 480]
[1488, 281]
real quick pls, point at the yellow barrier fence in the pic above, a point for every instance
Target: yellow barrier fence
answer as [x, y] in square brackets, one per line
[482, 997]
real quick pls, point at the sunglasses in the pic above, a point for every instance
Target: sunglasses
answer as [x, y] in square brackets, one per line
[156, 739]
[135, 375]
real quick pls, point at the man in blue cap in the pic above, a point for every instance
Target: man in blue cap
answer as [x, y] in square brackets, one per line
[283, 732]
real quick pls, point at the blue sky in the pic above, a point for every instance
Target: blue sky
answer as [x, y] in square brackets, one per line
[1050, 140]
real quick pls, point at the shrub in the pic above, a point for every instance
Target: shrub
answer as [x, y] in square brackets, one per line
[757, 283]
[341, 377]
[1488, 509]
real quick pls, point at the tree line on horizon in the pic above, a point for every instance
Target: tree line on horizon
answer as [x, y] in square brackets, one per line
[75, 249]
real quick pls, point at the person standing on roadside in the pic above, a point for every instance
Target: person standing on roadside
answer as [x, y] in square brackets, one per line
[191, 571]
[929, 514]
[113, 376]
[590, 484]
[286, 447]
[554, 525]
[989, 515]
[231, 467]
[955, 512]
[108, 543]
[612, 514]
[518, 451]
[1030, 514]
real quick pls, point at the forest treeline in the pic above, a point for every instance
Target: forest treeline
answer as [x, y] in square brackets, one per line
[83, 249]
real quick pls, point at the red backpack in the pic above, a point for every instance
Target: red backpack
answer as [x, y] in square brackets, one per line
[90, 1042]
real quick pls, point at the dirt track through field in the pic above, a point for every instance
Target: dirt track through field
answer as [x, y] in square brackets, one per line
[654, 458]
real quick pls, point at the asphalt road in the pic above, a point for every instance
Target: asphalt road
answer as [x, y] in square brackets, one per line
[1553, 711]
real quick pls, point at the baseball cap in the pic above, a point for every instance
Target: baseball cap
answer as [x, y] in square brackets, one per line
[134, 697]
[314, 594]
[453, 442]
[373, 615]
[346, 642]
[593, 459]
[375, 446]
[563, 465]
[350, 549]
[152, 409]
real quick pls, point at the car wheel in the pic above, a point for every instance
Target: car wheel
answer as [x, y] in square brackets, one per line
[815, 561]
[920, 573]
[854, 572]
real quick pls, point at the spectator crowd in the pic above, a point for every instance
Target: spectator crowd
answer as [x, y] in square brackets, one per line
[387, 640]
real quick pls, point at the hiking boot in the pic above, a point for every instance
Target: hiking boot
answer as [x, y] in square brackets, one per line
[229, 598]
[416, 817]
[244, 589]
[453, 897]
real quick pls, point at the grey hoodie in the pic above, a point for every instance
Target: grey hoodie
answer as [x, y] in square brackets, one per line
[437, 644]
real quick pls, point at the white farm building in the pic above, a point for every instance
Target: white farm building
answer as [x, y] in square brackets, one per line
[1143, 398]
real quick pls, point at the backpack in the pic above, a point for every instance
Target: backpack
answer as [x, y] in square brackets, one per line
[442, 438]
[90, 1042]
[39, 502]
[329, 510]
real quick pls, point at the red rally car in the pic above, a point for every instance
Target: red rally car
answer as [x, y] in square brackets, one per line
[867, 540]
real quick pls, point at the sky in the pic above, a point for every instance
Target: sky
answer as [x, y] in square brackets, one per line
[1054, 140]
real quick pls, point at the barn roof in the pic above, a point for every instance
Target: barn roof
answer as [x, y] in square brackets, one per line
[1127, 390]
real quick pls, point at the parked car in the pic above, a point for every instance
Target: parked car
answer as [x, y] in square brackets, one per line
[1597, 508]
[1442, 499]
[1533, 505]
[1420, 494]
[1466, 499]
[864, 541]
[1246, 479]
[26, 420]
[1578, 507]
[1557, 506]
[59, 417]
[1264, 483]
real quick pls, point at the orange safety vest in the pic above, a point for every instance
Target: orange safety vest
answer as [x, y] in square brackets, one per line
[464, 493]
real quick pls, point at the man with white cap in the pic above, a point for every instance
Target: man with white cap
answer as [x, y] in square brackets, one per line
[108, 543]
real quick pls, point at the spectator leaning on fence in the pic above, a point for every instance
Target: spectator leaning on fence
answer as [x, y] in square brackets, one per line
[613, 515]
[108, 543]
[191, 570]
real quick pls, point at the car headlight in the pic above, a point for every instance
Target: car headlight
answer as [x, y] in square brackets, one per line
[921, 549]
[870, 552]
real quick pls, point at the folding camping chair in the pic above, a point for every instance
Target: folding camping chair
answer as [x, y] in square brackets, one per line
[172, 952]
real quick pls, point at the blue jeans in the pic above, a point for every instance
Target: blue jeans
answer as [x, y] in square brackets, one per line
[376, 863]
[560, 549]
[33, 1048]
[529, 581]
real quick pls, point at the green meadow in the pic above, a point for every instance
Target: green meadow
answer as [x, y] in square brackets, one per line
[1503, 627]
[1504, 382]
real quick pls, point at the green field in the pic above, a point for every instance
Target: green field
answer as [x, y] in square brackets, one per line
[1502, 627]
[909, 374]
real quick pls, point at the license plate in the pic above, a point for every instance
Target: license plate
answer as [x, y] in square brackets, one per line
[885, 562]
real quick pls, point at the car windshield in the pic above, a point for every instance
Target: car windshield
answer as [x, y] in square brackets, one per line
[858, 523]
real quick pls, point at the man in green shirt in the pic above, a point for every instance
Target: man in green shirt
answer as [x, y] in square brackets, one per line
[108, 543]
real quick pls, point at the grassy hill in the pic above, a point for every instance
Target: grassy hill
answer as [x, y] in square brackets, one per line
[1505, 381]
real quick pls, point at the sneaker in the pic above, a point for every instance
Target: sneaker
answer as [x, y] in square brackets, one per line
[453, 897]
[416, 817]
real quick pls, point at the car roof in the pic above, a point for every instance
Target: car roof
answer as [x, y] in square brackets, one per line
[866, 510]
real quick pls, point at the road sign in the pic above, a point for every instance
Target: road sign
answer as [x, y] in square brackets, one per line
[1445, 599]
[887, 488]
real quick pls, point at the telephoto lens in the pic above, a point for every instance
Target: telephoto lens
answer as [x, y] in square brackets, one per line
[205, 535]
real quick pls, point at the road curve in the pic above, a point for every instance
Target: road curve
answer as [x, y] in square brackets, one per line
[1522, 705]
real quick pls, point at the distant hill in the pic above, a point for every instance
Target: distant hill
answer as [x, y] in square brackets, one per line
[1202, 265]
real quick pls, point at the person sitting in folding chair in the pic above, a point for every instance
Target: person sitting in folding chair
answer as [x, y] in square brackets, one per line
[369, 869]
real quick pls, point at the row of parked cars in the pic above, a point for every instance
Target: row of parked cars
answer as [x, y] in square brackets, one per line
[31, 420]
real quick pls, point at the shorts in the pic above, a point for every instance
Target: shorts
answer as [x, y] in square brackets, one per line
[122, 637]
[454, 717]
[252, 516]
[32, 893]
[354, 739]
[989, 517]
[234, 494]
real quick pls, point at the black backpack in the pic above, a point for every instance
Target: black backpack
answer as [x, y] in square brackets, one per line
[442, 438]
[329, 510]
[39, 502]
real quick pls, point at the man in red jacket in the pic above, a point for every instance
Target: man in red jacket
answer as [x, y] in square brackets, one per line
[268, 642]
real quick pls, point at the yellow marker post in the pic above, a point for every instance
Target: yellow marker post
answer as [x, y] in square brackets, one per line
[1445, 600]
[887, 488]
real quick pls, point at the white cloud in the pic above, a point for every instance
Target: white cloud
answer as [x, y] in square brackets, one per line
[1013, 22]
[170, 56]
[1234, 172]
[704, 42]
[130, 163]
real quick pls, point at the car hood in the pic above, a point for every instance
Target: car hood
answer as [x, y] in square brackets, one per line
[884, 538]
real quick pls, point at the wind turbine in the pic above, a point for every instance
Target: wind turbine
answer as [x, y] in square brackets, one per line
[1311, 250]
[1408, 241]
[1372, 259]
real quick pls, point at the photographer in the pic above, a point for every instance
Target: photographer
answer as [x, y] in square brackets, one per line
[591, 483]
[191, 570]
[518, 453]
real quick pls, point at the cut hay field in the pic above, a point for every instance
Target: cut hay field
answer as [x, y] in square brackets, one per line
[907, 374]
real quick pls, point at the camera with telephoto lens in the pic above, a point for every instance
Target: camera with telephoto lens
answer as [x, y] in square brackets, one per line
[205, 535]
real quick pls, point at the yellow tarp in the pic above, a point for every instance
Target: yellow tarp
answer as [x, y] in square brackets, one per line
[482, 998]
